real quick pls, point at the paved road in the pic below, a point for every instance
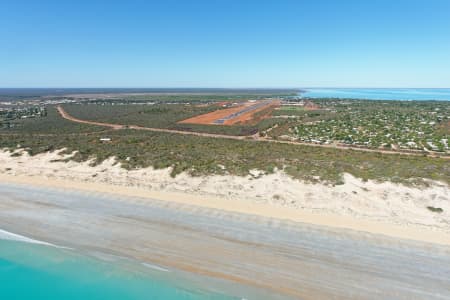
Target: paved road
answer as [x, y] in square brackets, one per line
[286, 259]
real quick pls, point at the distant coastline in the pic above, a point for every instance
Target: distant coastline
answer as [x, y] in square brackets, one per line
[40, 92]
[411, 94]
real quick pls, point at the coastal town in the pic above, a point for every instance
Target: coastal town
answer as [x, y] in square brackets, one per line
[422, 126]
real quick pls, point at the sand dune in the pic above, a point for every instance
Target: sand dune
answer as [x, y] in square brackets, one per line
[382, 208]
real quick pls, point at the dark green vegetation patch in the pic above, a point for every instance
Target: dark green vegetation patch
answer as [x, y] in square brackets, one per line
[435, 209]
[204, 156]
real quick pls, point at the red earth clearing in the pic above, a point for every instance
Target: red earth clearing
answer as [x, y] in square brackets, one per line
[242, 113]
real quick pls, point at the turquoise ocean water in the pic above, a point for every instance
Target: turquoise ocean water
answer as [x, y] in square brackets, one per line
[31, 271]
[378, 94]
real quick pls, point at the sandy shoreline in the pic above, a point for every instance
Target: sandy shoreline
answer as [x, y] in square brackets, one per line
[379, 208]
[282, 258]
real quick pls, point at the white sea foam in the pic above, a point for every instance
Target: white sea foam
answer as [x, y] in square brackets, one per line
[154, 267]
[6, 235]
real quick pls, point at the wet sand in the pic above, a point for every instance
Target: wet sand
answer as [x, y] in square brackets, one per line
[402, 214]
[287, 258]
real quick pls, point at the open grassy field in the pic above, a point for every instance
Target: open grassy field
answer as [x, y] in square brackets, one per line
[290, 108]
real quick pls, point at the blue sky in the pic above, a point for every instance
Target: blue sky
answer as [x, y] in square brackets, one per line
[233, 43]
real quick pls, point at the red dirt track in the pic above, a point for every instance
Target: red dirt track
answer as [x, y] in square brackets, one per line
[247, 115]
[254, 137]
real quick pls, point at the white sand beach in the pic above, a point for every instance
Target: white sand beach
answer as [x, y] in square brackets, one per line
[381, 208]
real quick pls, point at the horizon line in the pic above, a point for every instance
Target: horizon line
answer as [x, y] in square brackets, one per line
[228, 88]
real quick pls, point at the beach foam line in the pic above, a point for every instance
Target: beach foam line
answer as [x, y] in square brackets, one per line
[155, 267]
[6, 235]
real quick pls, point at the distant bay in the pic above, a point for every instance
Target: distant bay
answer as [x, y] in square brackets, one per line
[378, 94]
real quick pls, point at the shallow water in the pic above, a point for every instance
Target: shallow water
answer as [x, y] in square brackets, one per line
[379, 94]
[31, 271]
[250, 257]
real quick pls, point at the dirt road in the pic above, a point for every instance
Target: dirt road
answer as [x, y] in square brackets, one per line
[254, 137]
